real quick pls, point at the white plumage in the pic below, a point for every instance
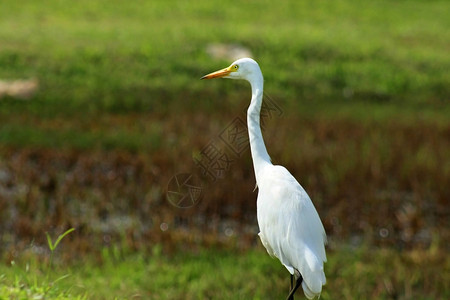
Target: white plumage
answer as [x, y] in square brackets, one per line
[290, 227]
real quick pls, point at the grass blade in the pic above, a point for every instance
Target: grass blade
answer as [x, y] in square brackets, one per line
[60, 237]
[49, 241]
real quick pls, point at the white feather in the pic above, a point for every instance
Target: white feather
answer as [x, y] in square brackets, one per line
[290, 228]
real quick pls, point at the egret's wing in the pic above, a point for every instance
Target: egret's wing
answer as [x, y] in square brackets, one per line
[291, 228]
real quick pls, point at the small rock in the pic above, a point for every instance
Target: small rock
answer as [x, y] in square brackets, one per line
[227, 51]
[19, 89]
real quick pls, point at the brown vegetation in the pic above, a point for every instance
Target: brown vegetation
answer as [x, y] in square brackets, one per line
[376, 183]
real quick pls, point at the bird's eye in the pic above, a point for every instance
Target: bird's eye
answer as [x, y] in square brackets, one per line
[236, 67]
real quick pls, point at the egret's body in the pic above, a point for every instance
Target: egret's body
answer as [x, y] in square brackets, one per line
[290, 228]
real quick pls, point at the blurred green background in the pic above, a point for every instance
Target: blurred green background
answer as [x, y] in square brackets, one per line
[101, 106]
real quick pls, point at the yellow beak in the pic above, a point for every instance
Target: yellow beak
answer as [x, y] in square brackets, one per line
[218, 74]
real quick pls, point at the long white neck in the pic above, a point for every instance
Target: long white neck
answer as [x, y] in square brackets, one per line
[258, 149]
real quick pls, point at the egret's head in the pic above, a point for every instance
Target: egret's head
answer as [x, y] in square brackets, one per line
[243, 68]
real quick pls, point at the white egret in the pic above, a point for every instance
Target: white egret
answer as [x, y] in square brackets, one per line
[290, 227]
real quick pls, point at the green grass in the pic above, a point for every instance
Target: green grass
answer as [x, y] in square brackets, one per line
[365, 60]
[115, 56]
[226, 274]
[28, 285]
